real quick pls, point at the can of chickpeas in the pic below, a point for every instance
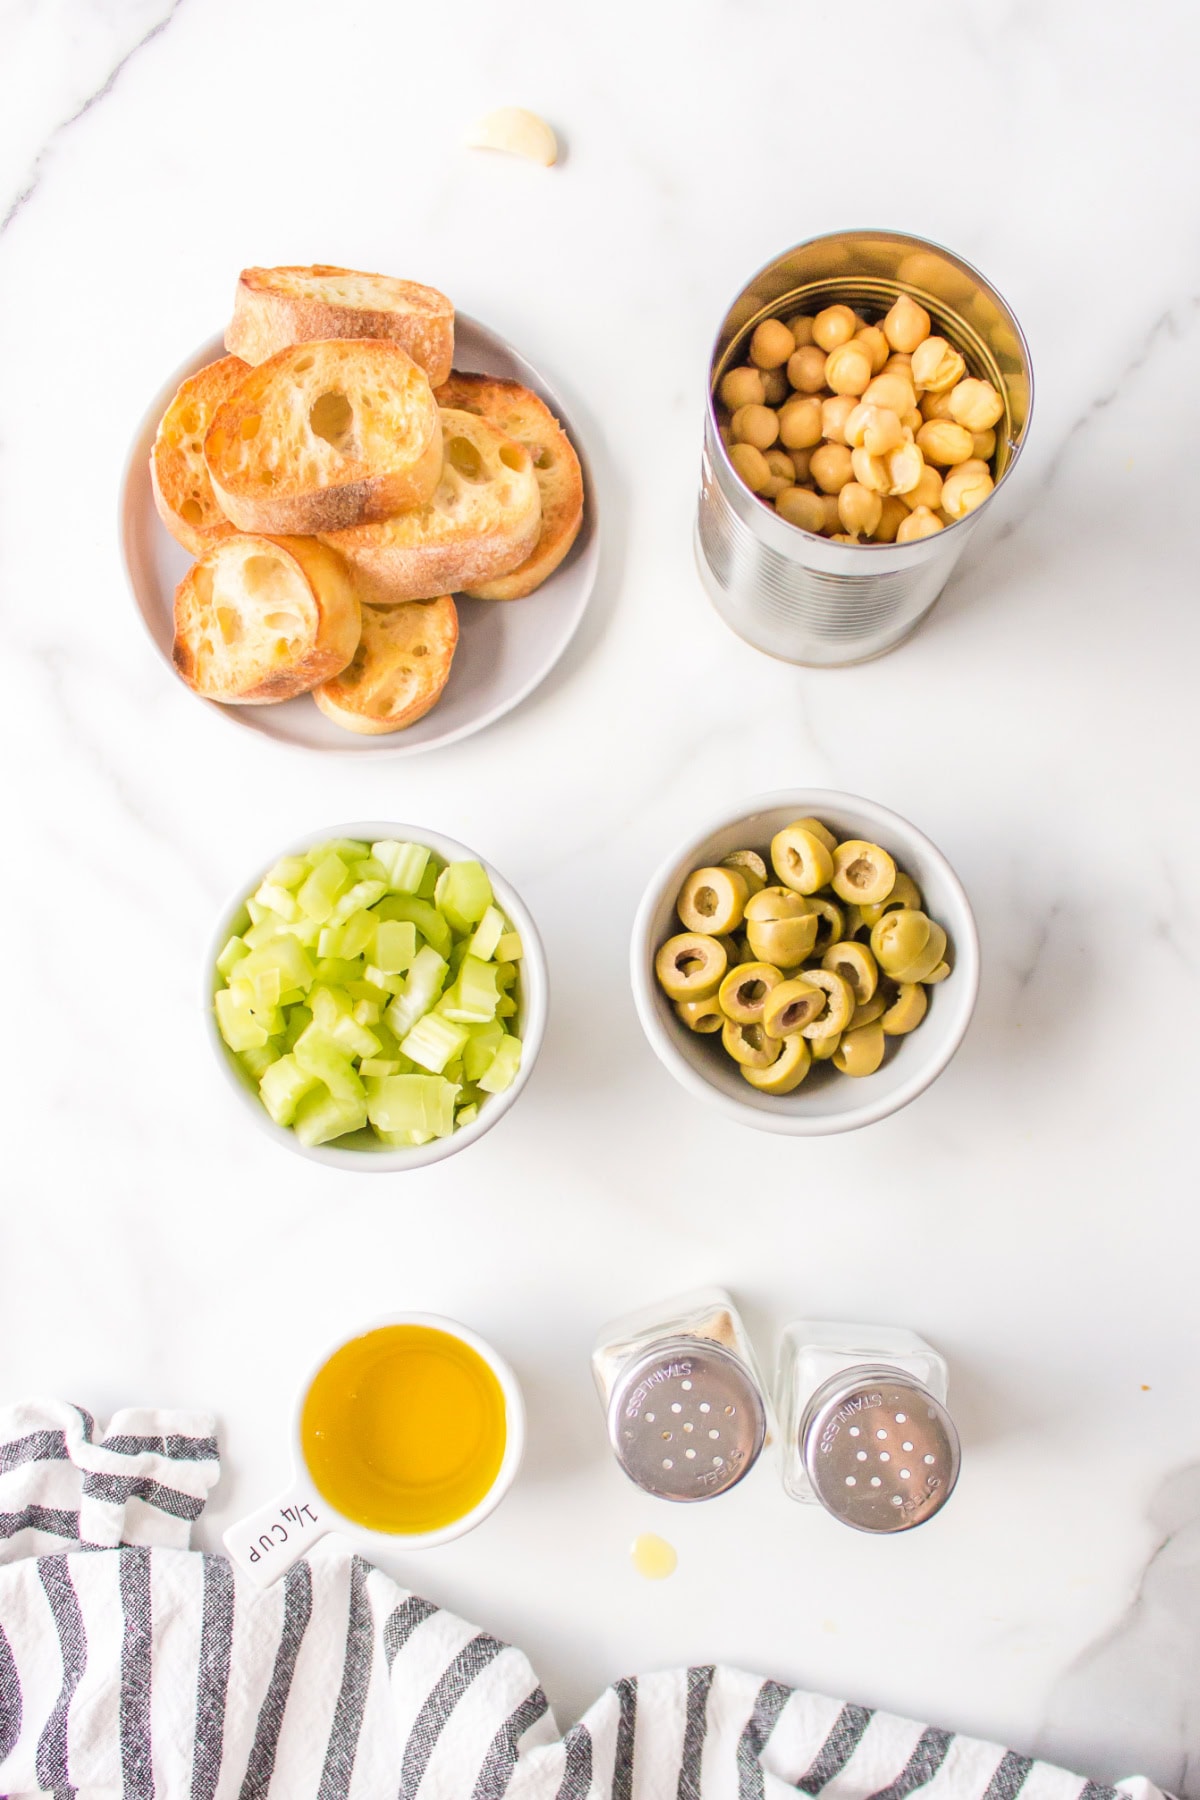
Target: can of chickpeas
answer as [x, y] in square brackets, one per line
[833, 594]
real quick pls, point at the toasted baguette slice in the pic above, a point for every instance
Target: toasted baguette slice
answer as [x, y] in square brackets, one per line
[323, 436]
[262, 619]
[277, 307]
[183, 492]
[521, 415]
[483, 520]
[399, 669]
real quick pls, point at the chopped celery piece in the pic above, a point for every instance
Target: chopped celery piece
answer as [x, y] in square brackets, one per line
[367, 1012]
[421, 989]
[322, 1116]
[366, 989]
[429, 879]
[395, 945]
[371, 1067]
[463, 893]
[284, 957]
[339, 969]
[320, 1055]
[264, 1012]
[488, 932]
[328, 1006]
[357, 933]
[357, 898]
[289, 871]
[506, 973]
[405, 864]
[475, 995]
[318, 896]
[412, 1104]
[231, 955]
[509, 948]
[368, 868]
[265, 984]
[330, 940]
[298, 1019]
[432, 1042]
[283, 1086]
[465, 1114]
[480, 1049]
[255, 1062]
[505, 1064]
[237, 1023]
[351, 850]
[384, 984]
[506, 1007]
[277, 900]
[428, 921]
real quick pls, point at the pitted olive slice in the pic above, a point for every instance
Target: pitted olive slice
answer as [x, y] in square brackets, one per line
[906, 1011]
[712, 901]
[701, 1015]
[853, 923]
[830, 923]
[786, 1072]
[750, 866]
[860, 1052]
[928, 959]
[746, 989]
[857, 965]
[824, 1049]
[938, 974]
[899, 938]
[781, 927]
[904, 893]
[801, 860]
[839, 1004]
[862, 872]
[821, 832]
[791, 1006]
[749, 1045]
[690, 966]
[868, 1012]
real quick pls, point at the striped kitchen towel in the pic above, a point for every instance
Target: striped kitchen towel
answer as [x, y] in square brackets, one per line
[134, 1668]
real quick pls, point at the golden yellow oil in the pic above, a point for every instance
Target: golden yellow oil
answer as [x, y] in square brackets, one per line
[403, 1430]
[653, 1557]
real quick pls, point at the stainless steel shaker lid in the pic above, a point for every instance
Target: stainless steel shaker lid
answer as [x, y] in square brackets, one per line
[686, 1420]
[881, 1452]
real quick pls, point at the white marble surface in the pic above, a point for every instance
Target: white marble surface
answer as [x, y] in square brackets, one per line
[1034, 1214]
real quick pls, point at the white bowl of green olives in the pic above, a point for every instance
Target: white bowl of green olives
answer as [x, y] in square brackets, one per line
[808, 964]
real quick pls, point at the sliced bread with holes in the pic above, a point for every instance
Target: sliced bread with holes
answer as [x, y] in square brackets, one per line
[483, 519]
[399, 670]
[263, 619]
[277, 307]
[519, 413]
[325, 436]
[183, 493]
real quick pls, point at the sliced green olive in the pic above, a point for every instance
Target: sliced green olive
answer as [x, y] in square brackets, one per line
[904, 893]
[907, 1009]
[868, 1011]
[749, 1044]
[862, 872]
[781, 927]
[701, 1015]
[857, 965]
[938, 974]
[791, 1006]
[801, 860]
[830, 923]
[853, 923]
[899, 938]
[690, 966]
[712, 901]
[746, 989]
[821, 832]
[860, 1052]
[839, 1004]
[750, 866]
[928, 959]
[824, 1049]
[787, 1071]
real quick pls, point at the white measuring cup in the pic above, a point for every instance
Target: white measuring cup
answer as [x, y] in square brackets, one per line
[266, 1543]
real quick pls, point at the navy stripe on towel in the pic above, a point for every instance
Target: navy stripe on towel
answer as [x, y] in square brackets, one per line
[51, 1762]
[137, 1753]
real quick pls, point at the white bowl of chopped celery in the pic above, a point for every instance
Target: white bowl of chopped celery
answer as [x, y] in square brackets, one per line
[377, 996]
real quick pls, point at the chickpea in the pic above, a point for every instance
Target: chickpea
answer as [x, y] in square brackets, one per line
[831, 468]
[876, 346]
[800, 506]
[976, 404]
[904, 469]
[771, 344]
[752, 466]
[937, 365]
[942, 441]
[906, 325]
[984, 445]
[892, 389]
[848, 369]
[965, 488]
[829, 506]
[913, 421]
[775, 386]
[928, 491]
[834, 414]
[876, 428]
[936, 406]
[858, 508]
[833, 326]
[900, 359]
[801, 328]
[806, 369]
[892, 514]
[800, 423]
[920, 523]
[756, 425]
[870, 471]
[800, 462]
[843, 537]
[782, 473]
[742, 387]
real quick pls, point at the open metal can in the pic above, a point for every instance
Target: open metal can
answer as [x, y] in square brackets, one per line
[787, 591]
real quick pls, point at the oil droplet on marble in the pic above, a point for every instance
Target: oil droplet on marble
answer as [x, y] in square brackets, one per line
[653, 1557]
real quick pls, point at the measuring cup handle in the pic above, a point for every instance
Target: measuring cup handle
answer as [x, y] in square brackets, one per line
[266, 1543]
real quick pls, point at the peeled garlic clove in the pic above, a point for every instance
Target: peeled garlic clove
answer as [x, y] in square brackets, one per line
[517, 131]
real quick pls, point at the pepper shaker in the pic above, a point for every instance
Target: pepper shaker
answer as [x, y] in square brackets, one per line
[687, 1410]
[866, 1433]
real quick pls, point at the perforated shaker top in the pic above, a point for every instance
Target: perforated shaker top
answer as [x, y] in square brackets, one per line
[881, 1451]
[686, 1419]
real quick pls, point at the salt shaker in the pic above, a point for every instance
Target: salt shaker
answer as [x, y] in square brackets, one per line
[687, 1410]
[865, 1429]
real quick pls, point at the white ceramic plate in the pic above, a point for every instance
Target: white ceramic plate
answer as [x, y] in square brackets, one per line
[505, 648]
